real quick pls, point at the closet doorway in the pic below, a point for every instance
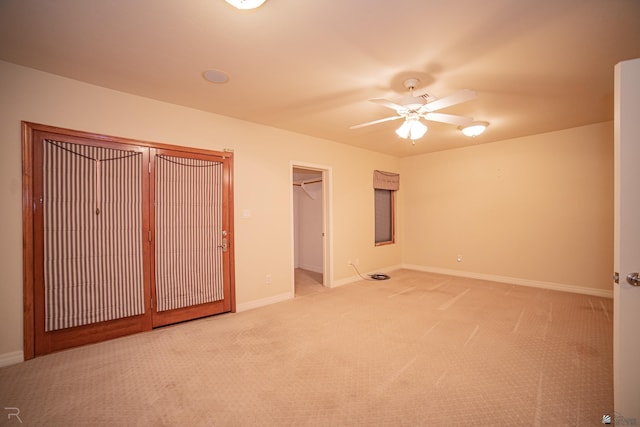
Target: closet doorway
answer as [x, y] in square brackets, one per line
[120, 236]
[311, 228]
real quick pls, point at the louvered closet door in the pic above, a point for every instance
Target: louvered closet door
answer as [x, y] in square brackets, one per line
[190, 222]
[91, 282]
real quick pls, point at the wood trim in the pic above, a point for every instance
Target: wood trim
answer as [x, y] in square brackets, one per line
[27, 243]
[393, 220]
[118, 327]
[146, 247]
[188, 313]
[150, 241]
[230, 238]
[118, 141]
[62, 339]
[393, 216]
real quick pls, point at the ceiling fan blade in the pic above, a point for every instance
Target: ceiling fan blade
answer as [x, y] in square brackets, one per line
[448, 118]
[375, 122]
[387, 103]
[457, 98]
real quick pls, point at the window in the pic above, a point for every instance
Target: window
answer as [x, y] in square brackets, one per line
[385, 185]
[384, 207]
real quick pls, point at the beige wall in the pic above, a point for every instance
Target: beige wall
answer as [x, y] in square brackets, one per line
[538, 208]
[262, 181]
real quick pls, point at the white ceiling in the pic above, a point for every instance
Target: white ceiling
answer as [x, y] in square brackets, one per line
[310, 66]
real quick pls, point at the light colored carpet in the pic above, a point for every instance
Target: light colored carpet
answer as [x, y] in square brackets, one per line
[308, 282]
[419, 349]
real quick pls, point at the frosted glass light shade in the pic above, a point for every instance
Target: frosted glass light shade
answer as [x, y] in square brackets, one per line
[411, 128]
[475, 128]
[404, 129]
[418, 130]
[245, 4]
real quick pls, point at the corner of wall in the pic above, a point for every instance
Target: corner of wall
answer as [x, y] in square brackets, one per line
[12, 358]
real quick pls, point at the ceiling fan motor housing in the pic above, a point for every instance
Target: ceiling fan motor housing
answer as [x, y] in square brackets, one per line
[411, 83]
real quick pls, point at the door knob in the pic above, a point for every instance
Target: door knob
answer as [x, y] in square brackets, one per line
[633, 279]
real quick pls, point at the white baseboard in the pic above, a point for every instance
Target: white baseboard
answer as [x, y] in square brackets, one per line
[264, 301]
[12, 358]
[314, 268]
[345, 281]
[514, 281]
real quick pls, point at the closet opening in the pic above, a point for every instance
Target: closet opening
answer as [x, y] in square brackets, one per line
[311, 228]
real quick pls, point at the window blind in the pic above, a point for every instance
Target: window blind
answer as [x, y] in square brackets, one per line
[93, 261]
[189, 267]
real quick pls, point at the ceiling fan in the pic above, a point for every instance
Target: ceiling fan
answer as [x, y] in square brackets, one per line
[420, 105]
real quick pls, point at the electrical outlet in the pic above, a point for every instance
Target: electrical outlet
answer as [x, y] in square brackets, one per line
[459, 258]
[267, 279]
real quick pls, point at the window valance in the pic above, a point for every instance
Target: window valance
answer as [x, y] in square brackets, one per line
[386, 180]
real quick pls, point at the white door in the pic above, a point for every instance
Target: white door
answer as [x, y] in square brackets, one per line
[626, 298]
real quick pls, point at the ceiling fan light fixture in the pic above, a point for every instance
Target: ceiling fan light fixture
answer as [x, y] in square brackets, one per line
[421, 105]
[411, 129]
[418, 129]
[404, 129]
[245, 4]
[474, 129]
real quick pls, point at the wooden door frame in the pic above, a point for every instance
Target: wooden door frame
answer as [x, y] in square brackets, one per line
[29, 130]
